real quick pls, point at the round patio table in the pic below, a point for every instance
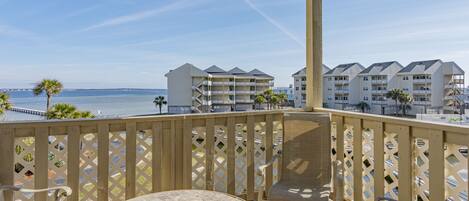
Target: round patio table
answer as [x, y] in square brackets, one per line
[187, 195]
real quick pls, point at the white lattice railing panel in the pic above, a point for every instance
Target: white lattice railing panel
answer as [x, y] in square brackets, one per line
[456, 170]
[240, 159]
[57, 173]
[259, 152]
[24, 166]
[143, 171]
[421, 170]
[368, 164]
[278, 141]
[198, 157]
[390, 165]
[220, 159]
[88, 167]
[348, 162]
[117, 169]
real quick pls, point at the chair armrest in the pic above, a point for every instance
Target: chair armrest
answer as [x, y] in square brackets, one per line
[385, 199]
[261, 169]
[60, 192]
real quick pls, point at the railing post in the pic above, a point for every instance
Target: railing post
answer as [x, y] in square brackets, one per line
[73, 163]
[210, 151]
[7, 154]
[405, 163]
[313, 54]
[103, 161]
[339, 183]
[130, 159]
[187, 155]
[250, 157]
[437, 165]
[269, 132]
[41, 161]
[157, 156]
[231, 163]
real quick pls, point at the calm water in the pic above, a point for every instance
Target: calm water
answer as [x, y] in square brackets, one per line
[101, 102]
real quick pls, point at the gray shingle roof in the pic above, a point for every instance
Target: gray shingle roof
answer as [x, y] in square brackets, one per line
[382, 66]
[343, 67]
[412, 65]
[237, 71]
[214, 69]
[324, 70]
[257, 72]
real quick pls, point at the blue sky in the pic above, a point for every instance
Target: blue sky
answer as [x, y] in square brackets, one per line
[133, 43]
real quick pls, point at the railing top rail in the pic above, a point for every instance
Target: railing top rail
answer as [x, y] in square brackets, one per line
[39, 123]
[400, 121]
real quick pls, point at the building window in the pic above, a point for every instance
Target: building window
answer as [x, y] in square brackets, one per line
[329, 78]
[297, 88]
[365, 78]
[365, 88]
[303, 79]
[329, 89]
[405, 78]
[365, 98]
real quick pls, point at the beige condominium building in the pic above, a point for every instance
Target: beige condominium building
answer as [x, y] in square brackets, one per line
[436, 86]
[193, 90]
[299, 86]
[341, 86]
[375, 81]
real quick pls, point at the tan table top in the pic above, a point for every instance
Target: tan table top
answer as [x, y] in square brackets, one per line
[189, 195]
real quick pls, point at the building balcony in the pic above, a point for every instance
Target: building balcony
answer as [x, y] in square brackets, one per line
[422, 81]
[244, 101]
[265, 84]
[422, 92]
[246, 92]
[128, 157]
[222, 102]
[341, 91]
[341, 101]
[222, 83]
[380, 82]
[341, 82]
[223, 92]
[245, 84]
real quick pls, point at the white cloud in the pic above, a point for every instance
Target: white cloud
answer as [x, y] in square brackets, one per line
[178, 5]
[276, 24]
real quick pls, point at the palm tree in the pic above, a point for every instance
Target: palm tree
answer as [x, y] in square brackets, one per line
[49, 87]
[268, 94]
[283, 98]
[159, 102]
[394, 94]
[274, 101]
[4, 102]
[67, 111]
[405, 99]
[363, 106]
[260, 99]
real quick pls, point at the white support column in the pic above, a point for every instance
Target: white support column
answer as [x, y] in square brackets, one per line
[313, 54]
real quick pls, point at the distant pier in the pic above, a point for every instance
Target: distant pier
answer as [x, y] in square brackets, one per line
[28, 111]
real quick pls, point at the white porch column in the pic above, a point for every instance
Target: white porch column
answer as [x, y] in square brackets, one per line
[313, 54]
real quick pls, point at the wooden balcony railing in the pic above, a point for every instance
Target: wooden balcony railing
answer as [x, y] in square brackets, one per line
[378, 156]
[373, 156]
[118, 159]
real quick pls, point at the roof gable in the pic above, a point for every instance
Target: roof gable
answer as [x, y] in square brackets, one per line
[214, 69]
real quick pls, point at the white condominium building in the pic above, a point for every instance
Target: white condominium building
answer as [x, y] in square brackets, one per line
[299, 86]
[191, 89]
[342, 86]
[374, 84]
[436, 86]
